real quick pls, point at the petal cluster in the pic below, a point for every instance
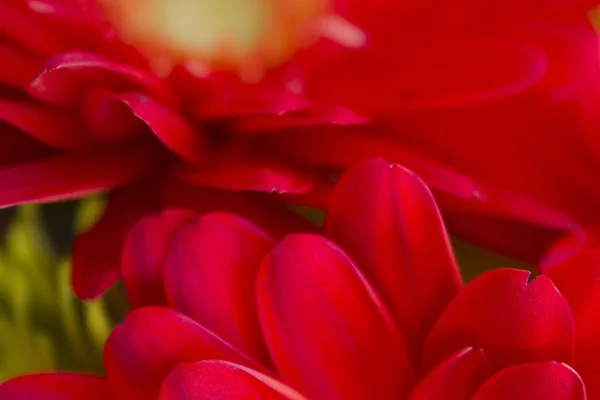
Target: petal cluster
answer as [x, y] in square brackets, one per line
[450, 90]
[374, 308]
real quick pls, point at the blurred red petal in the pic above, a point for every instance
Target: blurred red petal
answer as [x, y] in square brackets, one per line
[340, 147]
[54, 129]
[96, 254]
[24, 28]
[386, 219]
[272, 216]
[61, 177]
[17, 69]
[109, 119]
[221, 380]
[511, 319]
[143, 254]
[569, 245]
[150, 342]
[328, 333]
[248, 173]
[56, 386]
[210, 274]
[67, 77]
[170, 128]
[439, 73]
[18, 147]
[578, 279]
[548, 381]
[260, 124]
[456, 378]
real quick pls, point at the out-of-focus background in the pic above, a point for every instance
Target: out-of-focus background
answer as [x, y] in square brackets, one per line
[44, 327]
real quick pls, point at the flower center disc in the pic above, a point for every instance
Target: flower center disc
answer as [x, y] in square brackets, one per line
[223, 34]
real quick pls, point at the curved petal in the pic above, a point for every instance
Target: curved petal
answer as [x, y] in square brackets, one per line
[340, 147]
[63, 177]
[438, 73]
[248, 173]
[17, 69]
[386, 219]
[18, 147]
[570, 245]
[109, 119]
[143, 255]
[24, 28]
[210, 274]
[548, 380]
[260, 124]
[170, 128]
[96, 253]
[221, 380]
[512, 320]
[67, 77]
[56, 386]
[578, 279]
[52, 128]
[150, 342]
[321, 319]
[270, 214]
[456, 378]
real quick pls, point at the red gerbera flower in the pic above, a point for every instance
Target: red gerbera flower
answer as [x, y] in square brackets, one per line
[155, 97]
[301, 319]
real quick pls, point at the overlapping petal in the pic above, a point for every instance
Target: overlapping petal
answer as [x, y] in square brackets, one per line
[222, 380]
[56, 386]
[455, 378]
[210, 272]
[143, 256]
[321, 319]
[59, 177]
[96, 253]
[512, 320]
[142, 351]
[400, 242]
[548, 380]
[578, 279]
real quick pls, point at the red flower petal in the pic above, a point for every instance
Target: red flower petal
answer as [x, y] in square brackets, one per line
[456, 378]
[23, 27]
[328, 333]
[272, 216]
[56, 386]
[96, 254]
[109, 119]
[548, 381]
[52, 128]
[65, 176]
[386, 219]
[221, 380]
[143, 254]
[170, 128]
[260, 124]
[150, 342]
[66, 78]
[569, 245]
[248, 173]
[314, 147]
[437, 73]
[16, 69]
[578, 279]
[210, 275]
[512, 320]
[18, 147]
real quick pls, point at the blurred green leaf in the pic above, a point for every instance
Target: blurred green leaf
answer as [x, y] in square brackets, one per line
[43, 327]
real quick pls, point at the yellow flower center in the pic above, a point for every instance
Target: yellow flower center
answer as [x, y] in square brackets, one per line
[242, 35]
